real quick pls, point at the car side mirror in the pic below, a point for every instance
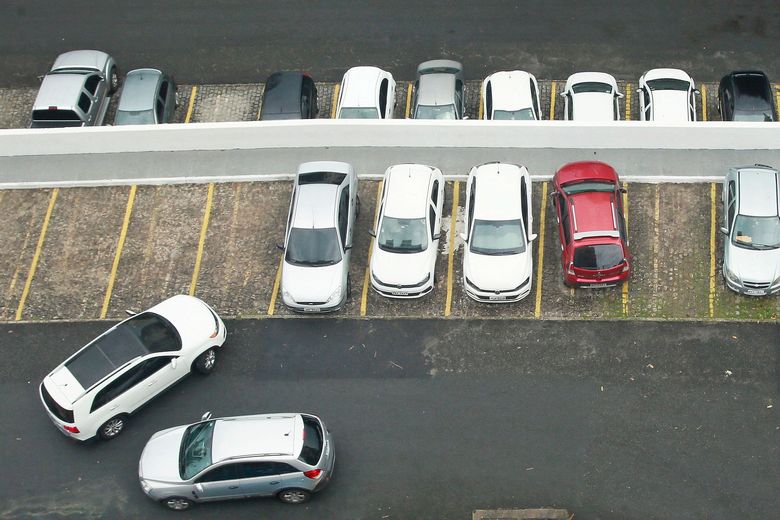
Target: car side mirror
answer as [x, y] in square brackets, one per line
[347, 248]
[696, 91]
[280, 247]
[174, 362]
[620, 94]
[206, 416]
[562, 93]
[466, 117]
[532, 237]
[464, 237]
[372, 233]
[130, 312]
[437, 236]
[623, 190]
[725, 231]
[639, 91]
[199, 488]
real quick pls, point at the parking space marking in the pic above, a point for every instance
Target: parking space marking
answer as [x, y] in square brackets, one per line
[628, 101]
[703, 91]
[334, 101]
[408, 99]
[777, 98]
[624, 292]
[656, 238]
[481, 106]
[552, 100]
[540, 261]
[451, 240]
[118, 254]
[202, 240]
[191, 104]
[37, 254]
[364, 294]
[277, 282]
[713, 235]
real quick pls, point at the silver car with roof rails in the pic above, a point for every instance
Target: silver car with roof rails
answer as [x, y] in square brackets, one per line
[289, 456]
[76, 91]
[751, 212]
[439, 91]
[148, 98]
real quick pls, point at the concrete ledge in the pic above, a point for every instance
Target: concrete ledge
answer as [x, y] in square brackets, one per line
[272, 150]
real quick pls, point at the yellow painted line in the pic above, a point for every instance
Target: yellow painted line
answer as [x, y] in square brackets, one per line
[451, 256]
[277, 282]
[553, 93]
[364, 295]
[191, 105]
[408, 99]
[624, 295]
[628, 101]
[656, 236]
[481, 105]
[334, 101]
[202, 240]
[540, 260]
[703, 102]
[118, 254]
[37, 254]
[713, 223]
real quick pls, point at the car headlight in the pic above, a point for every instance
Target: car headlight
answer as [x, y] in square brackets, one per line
[776, 282]
[287, 296]
[424, 280]
[145, 486]
[730, 275]
[335, 296]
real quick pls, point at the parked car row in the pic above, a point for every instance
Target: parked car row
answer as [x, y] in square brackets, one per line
[77, 90]
[95, 391]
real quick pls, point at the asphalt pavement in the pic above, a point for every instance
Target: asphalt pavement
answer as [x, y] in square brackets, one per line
[243, 41]
[436, 418]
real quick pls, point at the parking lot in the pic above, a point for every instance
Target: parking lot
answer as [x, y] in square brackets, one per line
[86, 253]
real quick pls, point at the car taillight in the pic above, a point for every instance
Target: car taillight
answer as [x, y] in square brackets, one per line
[570, 270]
[71, 429]
[625, 268]
[314, 473]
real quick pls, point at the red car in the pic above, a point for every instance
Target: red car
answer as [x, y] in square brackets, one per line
[591, 225]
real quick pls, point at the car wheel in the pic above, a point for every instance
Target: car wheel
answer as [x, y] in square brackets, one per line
[177, 503]
[357, 206]
[113, 78]
[349, 286]
[294, 496]
[112, 428]
[205, 363]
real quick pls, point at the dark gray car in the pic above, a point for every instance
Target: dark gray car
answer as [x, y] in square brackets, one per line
[438, 91]
[289, 95]
[148, 98]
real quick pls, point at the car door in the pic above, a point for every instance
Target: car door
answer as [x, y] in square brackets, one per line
[154, 375]
[263, 478]
[220, 483]
[97, 88]
[729, 200]
[345, 227]
[488, 100]
[527, 209]
[166, 96]
[459, 102]
[434, 219]
[535, 98]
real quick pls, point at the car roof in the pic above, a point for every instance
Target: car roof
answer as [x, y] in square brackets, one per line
[407, 190]
[498, 182]
[436, 89]
[594, 106]
[593, 211]
[85, 59]
[315, 207]
[360, 87]
[667, 74]
[758, 192]
[670, 105]
[282, 94]
[59, 90]
[273, 434]
[139, 90]
[511, 90]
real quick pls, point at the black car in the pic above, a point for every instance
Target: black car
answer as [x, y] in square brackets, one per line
[289, 95]
[746, 96]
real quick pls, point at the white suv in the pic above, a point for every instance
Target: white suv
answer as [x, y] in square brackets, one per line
[95, 389]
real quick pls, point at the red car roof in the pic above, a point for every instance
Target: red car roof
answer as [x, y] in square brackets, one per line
[593, 211]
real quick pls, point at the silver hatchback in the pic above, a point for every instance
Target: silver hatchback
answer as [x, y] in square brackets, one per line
[751, 210]
[289, 456]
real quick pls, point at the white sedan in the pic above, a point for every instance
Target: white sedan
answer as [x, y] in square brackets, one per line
[592, 97]
[667, 95]
[497, 258]
[403, 256]
[366, 93]
[511, 95]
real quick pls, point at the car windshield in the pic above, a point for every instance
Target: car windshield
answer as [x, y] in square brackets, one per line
[358, 113]
[756, 232]
[581, 187]
[750, 115]
[403, 235]
[195, 451]
[313, 247]
[592, 86]
[134, 117]
[524, 114]
[497, 237]
[138, 336]
[668, 84]
[598, 257]
[435, 112]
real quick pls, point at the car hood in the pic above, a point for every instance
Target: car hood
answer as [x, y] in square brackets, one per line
[312, 284]
[190, 316]
[593, 106]
[160, 458]
[754, 266]
[400, 269]
[497, 273]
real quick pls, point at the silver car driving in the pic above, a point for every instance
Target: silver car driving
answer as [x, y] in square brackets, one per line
[289, 456]
[751, 210]
[438, 91]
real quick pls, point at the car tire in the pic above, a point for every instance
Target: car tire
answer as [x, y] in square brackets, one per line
[113, 81]
[177, 503]
[205, 363]
[294, 496]
[349, 286]
[357, 206]
[112, 427]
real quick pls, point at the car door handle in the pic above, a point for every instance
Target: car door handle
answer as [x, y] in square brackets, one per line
[232, 487]
[275, 482]
[151, 383]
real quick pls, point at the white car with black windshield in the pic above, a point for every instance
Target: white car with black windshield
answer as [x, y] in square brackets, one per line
[591, 97]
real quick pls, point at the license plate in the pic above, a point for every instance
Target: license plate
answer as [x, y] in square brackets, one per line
[597, 285]
[400, 293]
[755, 292]
[311, 309]
[496, 297]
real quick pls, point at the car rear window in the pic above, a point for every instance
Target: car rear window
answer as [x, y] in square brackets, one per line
[321, 178]
[55, 115]
[138, 336]
[312, 441]
[63, 414]
[597, 257]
